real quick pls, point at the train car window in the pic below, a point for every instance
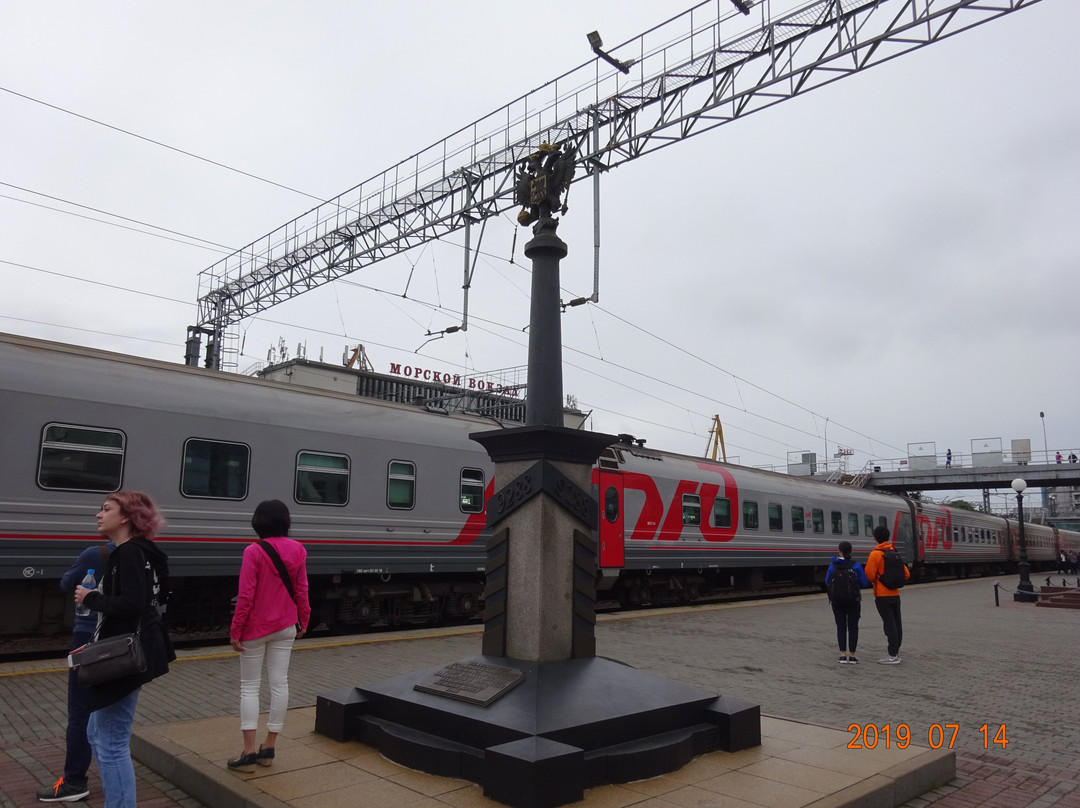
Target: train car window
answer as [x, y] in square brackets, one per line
[322, 479]
[611, 504]
[472, 491]
[80, 458]
[609, 459]
[883, 522]
[691, 509]
[401, 484]
[868, 525]
[837, 519]
[853, 524]
[955, 534]
[721, 512]
[818, 520]
[905, 530]
[776, 516]
[798, 523]
[750, 515]
[215, 469]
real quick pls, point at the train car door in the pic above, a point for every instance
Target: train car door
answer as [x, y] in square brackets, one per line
[611, 519]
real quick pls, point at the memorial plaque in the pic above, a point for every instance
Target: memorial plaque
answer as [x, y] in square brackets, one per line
[474, 682]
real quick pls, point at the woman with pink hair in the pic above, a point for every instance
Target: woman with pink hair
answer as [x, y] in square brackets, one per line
[130, 593]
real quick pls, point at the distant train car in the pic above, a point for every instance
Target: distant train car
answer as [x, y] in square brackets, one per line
[1041, 542]
[958, 538]
[677, 527]
[390, 500]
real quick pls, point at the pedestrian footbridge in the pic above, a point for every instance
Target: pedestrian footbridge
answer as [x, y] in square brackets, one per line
[897, 476]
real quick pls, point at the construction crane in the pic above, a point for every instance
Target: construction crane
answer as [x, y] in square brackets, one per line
[716, 440]
[704, 68]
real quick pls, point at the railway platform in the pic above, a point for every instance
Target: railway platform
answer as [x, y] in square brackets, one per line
[995, 689]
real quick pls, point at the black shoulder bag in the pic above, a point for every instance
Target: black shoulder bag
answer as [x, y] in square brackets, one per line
[112, 658]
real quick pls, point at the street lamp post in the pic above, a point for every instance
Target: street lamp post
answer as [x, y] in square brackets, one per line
[1046, 446]
[1025, 592]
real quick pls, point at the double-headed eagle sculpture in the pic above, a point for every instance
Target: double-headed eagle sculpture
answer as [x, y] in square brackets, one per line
[542, 178]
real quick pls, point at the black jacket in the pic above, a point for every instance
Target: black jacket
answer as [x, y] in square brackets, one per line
[132, 589]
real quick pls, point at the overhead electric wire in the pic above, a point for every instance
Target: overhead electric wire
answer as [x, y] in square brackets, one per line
[433, 306]
[739, 378]
[509, 328]
[218, 248]
[637, 372]
[478, 321]
[86, 330]
[96, 283]
[162, 145]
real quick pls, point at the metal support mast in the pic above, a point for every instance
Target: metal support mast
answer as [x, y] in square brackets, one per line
[697, 71]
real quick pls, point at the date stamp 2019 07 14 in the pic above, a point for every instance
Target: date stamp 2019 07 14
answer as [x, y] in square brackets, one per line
[871, 736]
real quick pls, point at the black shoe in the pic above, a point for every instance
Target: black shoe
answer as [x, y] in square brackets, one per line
[265, 757]
[61, 791]
[244, 763]
[852, 660]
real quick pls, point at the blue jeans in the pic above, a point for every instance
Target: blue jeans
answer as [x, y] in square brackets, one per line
[77, 760]
[109, 732]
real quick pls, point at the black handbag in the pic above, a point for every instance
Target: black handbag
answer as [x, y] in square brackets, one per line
[108, 659]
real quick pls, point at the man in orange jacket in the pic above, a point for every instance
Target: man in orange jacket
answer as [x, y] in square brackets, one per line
[887, 600]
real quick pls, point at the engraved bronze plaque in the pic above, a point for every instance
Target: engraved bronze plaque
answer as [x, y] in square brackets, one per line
[474, 682]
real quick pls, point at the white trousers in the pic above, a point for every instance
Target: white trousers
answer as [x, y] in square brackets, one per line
[276, 648]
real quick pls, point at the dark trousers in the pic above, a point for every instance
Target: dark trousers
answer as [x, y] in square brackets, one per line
[889, 609]
[847, 625]
[78, 756]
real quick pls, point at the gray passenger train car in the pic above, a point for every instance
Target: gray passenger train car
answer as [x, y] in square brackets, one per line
[379, 492]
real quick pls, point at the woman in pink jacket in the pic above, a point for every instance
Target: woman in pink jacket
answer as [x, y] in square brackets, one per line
[271, 612]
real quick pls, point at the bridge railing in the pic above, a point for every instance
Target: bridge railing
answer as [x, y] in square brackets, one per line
[967, 461]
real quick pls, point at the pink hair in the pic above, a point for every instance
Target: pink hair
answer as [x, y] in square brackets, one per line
[143, 514]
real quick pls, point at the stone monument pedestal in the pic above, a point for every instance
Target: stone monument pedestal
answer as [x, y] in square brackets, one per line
[567, 726]
[538, 718]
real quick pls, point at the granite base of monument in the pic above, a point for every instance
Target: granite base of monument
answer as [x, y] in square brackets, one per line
[564, 727]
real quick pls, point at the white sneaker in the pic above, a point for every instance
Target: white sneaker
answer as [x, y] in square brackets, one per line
[889, 660]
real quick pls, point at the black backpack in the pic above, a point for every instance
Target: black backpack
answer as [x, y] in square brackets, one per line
[892, 573]
[843, 584]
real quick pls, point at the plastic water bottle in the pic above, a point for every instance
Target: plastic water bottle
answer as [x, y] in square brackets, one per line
[90, 582]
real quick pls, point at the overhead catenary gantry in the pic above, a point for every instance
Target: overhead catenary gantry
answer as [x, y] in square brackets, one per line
[706, 67]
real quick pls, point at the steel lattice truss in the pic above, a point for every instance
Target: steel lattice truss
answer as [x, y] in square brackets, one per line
[686, 78]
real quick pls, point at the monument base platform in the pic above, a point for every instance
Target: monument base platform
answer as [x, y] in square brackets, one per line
[565, 727]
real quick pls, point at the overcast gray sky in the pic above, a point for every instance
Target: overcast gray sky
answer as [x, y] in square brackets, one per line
[885, 261]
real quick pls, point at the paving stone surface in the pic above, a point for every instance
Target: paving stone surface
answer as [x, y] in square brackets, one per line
[966, 664]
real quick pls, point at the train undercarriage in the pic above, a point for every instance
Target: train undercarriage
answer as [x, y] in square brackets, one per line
[202, 607]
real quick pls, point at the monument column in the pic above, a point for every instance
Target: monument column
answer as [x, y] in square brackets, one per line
[541, 571]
